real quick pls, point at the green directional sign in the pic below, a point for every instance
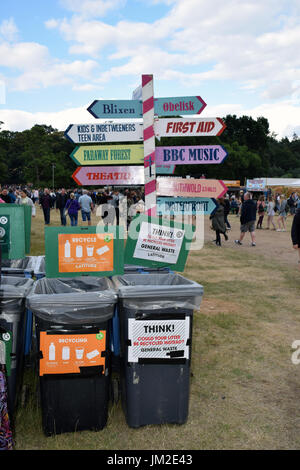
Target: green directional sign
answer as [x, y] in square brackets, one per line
[108, 155]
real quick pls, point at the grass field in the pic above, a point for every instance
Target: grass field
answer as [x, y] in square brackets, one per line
[245, 390]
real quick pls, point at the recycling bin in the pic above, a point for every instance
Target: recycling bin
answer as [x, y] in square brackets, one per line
[17, 267]
[128, 269]
[13, 292]
[23, 267]
[72, 322]
[156, 314]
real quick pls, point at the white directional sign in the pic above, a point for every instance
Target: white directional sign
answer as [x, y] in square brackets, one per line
[180, 127]
[105, 132]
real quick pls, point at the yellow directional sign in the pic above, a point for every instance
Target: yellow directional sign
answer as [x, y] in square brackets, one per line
[108, 154]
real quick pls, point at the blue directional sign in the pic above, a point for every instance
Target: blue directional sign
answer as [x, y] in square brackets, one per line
[116, 109]
[187, 206]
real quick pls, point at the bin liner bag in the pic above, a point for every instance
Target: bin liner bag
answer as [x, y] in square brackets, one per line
[13, 291]
[158, 291]
[72, 300]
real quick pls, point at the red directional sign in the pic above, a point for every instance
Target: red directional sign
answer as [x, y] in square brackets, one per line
[190, 187]
[109, 175]
[180, 127]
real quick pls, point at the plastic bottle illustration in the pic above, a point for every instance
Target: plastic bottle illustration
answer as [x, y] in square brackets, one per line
[79, 251]
[52, 352]
[102, 250]
[67, 249]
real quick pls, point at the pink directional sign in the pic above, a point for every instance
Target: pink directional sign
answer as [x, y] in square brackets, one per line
[190, 187]
[109, 175]
[190, 155]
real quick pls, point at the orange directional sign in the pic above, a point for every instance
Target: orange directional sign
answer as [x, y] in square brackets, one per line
[190, 187]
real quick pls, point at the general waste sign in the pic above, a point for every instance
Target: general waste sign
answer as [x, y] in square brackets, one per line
[153, 242]
[77, 251]
[158, 339]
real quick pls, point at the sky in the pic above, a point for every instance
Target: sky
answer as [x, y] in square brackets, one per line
[58, 56]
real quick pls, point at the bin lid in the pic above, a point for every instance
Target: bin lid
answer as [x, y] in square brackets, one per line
[14, 287]
[155, 285]
[73, 300]
[132, 268]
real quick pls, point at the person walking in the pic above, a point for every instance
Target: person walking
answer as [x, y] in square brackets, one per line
[72, 207]
[271, 213]
[226, 211]
[23, 198]
[295, 232]
[248, 217]
[61, 201]
[282, 213]
[218, 221]
[45, 203]
[87, 206]
[260, 211]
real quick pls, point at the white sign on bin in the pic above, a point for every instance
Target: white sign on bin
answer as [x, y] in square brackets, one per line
[158, 339]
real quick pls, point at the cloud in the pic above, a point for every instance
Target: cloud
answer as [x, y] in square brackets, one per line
[251, 42]
[9, 30]
[38, 68]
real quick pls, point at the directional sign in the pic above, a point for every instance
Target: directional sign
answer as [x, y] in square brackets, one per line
[188, 127]
[108, 154]
[116, 109]
[122, 109]
[109, 175]
[201, 154]
[178, 105]
[190, 187]
[105, 132]
[165, 169]
[187, 206]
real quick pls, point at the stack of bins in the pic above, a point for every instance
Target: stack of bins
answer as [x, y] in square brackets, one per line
[70, 312]
[13, 293]
[155, 376]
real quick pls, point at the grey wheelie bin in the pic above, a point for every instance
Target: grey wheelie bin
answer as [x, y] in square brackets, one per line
[13, 292]
[156, 315]
[72, 321]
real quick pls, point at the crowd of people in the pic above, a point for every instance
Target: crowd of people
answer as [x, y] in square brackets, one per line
[71, 202]
[252, 213]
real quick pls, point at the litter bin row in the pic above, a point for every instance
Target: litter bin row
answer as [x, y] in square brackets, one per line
[83, 323]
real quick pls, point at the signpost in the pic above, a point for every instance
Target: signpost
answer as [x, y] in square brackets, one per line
[188, 206]
[133, 108]
[189, 127]
[109, 175]
[190, 187]
[108, 154]
[104, 132]
[190, 155]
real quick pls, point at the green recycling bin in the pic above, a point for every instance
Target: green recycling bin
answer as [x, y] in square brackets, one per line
[13, 293]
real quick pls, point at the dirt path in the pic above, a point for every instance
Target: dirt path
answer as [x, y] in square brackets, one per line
[269, 243]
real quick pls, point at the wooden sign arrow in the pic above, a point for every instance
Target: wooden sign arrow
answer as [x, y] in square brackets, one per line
[187, 206]
[190, 187]
[188, 127]
[190, 155]
[108, 154]
[105, 132]
[109, 175]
